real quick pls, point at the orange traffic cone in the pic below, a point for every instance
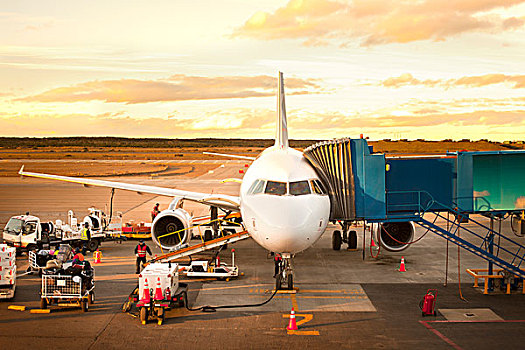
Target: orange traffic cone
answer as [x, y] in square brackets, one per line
[97, 255]
[292, 325]
[158, 291]
[146, 298]
[402, 266]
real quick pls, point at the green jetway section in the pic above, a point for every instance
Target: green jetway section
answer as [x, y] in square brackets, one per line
[491, 181]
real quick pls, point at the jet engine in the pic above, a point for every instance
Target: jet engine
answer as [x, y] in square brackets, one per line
[394, 236]
[169, 221]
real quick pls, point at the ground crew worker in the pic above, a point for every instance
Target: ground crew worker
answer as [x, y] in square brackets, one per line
[140, 252]
[85, 236]
[78, 256]
[155, 211]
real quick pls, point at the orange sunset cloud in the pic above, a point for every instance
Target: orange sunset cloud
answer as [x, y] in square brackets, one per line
[374, 22]
[515, 81]
[176, 88]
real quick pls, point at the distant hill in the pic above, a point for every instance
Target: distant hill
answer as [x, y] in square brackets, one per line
[120, 142]
[109, 143]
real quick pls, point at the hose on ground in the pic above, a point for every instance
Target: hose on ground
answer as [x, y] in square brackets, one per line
[208, 308]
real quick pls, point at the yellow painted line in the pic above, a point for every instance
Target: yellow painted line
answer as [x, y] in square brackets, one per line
[305, 319]
[331, 297]
[116, 263]
[322, 296]
[40, 311]
[116, 277]
[294, 302]
[235, 287]
[201, 280]
[323, 291]
[303, 332]
[17, 307]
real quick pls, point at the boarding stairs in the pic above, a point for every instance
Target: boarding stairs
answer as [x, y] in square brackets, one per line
[490, 245]
[203, 246]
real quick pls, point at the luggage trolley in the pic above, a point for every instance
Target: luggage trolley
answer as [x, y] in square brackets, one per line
[76, 290]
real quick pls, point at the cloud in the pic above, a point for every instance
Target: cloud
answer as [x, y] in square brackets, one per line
[218, 123]
[373, 22]
[481, 194]
[26, 22]
[406, 79]
[176, 88]
[245, 122]
[519, 203]
[388, 120]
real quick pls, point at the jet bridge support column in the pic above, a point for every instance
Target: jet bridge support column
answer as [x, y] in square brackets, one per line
[490, 241]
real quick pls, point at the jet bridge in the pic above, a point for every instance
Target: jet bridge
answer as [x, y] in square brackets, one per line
[394, 190]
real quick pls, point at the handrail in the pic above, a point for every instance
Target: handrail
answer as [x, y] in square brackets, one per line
[422, 205]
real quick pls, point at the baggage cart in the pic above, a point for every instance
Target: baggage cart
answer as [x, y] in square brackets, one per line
[69, 290]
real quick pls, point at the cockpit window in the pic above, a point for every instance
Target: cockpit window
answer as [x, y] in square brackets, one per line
[317, 187]
[299, 188]
[275, 188]
[257, 187]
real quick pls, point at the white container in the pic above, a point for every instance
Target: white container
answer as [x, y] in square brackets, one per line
[168, 277]
[8, 277]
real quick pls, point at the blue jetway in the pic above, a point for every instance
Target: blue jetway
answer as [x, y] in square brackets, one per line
[366, 186]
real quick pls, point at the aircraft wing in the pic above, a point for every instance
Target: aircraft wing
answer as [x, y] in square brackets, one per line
[217, 200]
[230, 155]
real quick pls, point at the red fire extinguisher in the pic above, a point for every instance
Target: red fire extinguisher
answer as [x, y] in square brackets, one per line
[428, 304]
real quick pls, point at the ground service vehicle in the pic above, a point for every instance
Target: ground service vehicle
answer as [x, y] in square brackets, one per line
[159, 290]
[28, 232]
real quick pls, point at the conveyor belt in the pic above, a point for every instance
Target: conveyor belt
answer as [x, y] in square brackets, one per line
[194, 249]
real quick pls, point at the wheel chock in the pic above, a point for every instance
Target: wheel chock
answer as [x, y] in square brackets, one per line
[40, 311]
[17, 307]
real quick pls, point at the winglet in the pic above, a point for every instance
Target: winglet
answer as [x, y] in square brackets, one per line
[21, 171]
[281, 138]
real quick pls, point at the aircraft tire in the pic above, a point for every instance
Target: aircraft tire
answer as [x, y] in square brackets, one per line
[336, 240]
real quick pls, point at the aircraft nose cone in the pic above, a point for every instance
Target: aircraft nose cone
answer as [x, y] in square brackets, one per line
[290, 227]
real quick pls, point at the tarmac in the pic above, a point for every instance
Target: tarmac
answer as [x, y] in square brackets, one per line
[345, 299]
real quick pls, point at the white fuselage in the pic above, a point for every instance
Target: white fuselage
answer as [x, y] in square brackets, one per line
[283, 222]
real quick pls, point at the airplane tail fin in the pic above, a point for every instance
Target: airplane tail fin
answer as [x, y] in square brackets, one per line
[281, 138]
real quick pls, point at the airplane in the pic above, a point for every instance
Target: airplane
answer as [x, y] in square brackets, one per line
[283, 203]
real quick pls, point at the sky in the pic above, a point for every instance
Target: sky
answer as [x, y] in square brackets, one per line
[415, 69]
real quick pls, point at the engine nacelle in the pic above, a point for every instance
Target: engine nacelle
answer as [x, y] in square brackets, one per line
[168, 221]
[394, 236]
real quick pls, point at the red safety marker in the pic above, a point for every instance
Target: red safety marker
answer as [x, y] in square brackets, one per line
[402, 266]
[292, 325]
[158, 291]
[146, 299]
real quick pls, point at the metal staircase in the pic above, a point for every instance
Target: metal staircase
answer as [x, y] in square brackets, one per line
[489, 245]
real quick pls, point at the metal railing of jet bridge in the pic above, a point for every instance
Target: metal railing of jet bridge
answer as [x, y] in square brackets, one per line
[509, 253]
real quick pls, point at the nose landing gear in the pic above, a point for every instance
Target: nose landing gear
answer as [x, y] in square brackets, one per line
[284, 273]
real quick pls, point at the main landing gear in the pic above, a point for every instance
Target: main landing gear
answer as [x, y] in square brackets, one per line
[347, 237]
[284, 277]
